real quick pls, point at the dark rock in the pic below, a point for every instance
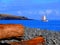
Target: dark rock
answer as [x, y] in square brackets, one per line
[4, 44]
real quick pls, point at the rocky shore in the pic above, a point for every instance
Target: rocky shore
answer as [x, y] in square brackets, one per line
[51, 37]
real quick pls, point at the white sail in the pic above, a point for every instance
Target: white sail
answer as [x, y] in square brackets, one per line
[44, 18]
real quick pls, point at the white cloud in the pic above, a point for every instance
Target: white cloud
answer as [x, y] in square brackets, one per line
[45, 12]
[28, 12]
[48, 11]
[19, 12]
[41, 12]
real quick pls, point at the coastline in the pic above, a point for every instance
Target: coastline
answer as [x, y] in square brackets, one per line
[51, 37]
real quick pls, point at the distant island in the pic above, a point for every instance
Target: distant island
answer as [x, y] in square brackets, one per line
[11, 17]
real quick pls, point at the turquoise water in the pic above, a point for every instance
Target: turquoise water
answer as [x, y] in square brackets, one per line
[50, 25]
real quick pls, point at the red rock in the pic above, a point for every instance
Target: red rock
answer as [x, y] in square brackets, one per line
[11, 30]
[34, 41]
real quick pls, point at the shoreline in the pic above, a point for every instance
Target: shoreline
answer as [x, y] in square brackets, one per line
[51, 37]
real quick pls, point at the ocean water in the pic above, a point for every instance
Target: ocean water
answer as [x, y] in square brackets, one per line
[50, 25]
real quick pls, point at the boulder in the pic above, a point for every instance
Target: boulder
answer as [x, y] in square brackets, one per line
[34, 41]
[11, 30]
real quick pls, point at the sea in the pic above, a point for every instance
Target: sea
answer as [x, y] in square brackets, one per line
[50, 25]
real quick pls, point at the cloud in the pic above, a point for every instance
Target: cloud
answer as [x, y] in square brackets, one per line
[19, 12]
[41, 12]
[34, 12]
[48, 11]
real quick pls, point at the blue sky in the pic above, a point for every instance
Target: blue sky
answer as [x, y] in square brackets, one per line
[34, 9]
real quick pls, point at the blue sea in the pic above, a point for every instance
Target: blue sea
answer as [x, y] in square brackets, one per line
[50, 25]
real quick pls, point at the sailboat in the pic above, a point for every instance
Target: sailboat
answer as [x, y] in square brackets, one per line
[44, 19]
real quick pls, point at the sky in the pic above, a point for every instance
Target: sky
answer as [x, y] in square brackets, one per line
[33, 9]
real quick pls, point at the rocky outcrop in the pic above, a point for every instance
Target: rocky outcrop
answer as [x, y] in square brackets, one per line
[51, 37]
[35, 41]
[11, 17]
[11, 30]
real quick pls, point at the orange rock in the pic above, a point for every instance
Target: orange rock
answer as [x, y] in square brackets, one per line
[34, 41]
[11, 30]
